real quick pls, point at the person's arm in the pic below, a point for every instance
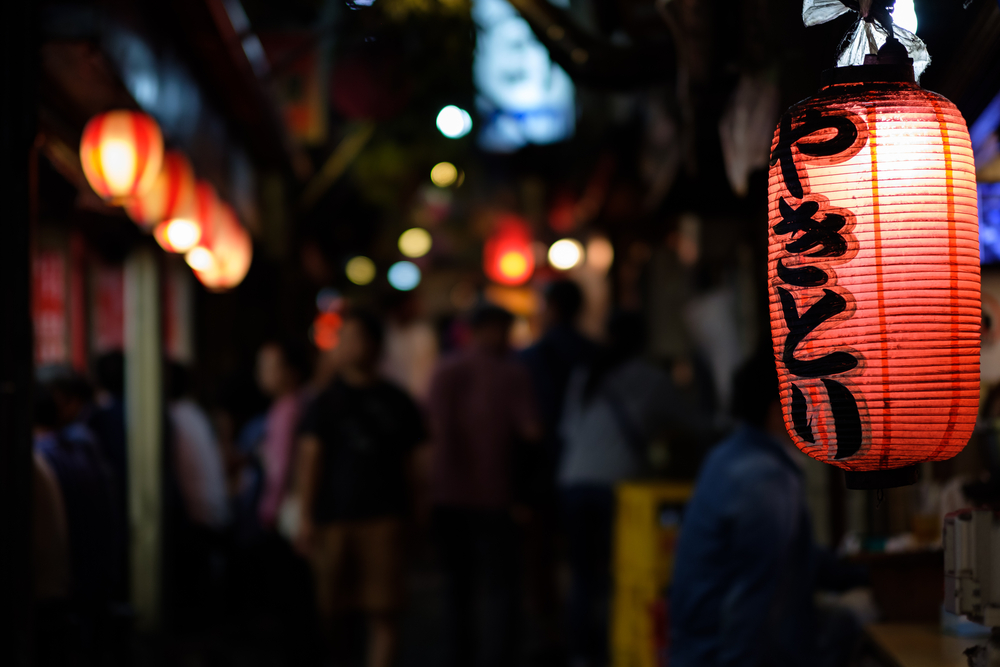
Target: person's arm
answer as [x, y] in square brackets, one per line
[308, 468]
[764, 519]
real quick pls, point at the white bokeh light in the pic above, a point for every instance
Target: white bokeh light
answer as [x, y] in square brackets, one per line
[564, 254]
[454, 122]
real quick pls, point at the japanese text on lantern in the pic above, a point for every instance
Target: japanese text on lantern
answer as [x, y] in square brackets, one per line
[815, 237]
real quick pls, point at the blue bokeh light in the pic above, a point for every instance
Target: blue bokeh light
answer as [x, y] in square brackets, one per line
[404, 276]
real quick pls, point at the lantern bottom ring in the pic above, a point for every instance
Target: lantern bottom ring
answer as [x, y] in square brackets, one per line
[863, 480]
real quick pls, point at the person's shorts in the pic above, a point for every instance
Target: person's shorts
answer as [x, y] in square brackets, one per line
[359, 564]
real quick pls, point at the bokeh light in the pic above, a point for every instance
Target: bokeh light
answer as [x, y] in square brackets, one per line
[326, 331]
[404, 276]
[509, 254]
[415, 242]
[454, 122]
[200, 259]
[600, 254]
[360, 270]
[514, 264]
[444, 174]
[178, 235]
[564, 254]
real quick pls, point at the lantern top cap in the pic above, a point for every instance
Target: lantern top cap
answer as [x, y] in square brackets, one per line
[892, 64]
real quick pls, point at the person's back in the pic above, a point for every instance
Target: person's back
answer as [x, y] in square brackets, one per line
[561, 349]
[479, 406]
[744, 573]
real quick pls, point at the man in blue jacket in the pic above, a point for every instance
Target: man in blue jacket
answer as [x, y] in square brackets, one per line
[747, 567]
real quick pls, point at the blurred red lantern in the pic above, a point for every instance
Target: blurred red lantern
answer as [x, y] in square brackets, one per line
[222, 257]
[507, 256]
[121, 153]
[184, 231]
[874, 274]
[171, 194]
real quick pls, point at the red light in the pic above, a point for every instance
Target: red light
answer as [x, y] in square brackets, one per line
[171, 194]
[507, 255]
[326, 331]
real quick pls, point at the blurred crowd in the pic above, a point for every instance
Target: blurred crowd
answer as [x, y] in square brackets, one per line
[310, 506]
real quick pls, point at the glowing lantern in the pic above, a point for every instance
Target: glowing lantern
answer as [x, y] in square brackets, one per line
[121, 152]
[507, 256]
[874, 273]
[172, 193]
[223, 256]
[183, 232]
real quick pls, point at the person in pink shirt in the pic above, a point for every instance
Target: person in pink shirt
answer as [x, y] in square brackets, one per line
[281, 370]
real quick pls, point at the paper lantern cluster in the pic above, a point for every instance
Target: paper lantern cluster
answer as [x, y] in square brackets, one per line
[873, 267]
[123, 159]
[507, 255]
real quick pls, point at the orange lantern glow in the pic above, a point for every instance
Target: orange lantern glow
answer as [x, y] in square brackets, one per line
[873, 267]
[507, 255]
[222, 258]
[183, 231]
[121, 153]
[172, 193]
[326, 330]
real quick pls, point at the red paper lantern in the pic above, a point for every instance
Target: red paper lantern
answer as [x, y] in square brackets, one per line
[184, 231]
[222, 258]
[171, 194]
[507, 255]
[874, 274]
[121, 153]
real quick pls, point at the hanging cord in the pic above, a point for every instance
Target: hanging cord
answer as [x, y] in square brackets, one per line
[872, 11]
[879, 497]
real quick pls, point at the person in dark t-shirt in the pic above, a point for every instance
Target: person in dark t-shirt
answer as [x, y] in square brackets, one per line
[357, 438]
